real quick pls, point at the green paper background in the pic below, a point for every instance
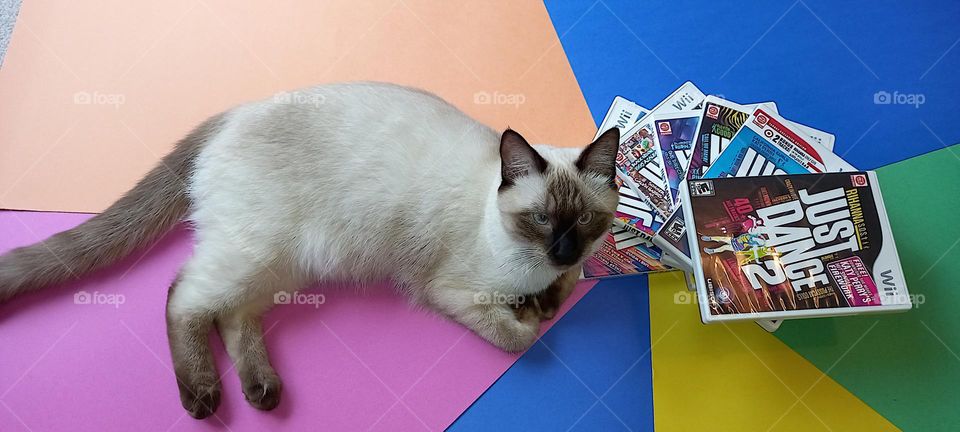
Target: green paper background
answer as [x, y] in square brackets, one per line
[905, 366]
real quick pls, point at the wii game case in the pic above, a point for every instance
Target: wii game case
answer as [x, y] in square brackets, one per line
[636, 214]
[632, 214]
[669, 261]
[792, 246]
[769, 325]
[609, 262]
[623, 252]
[765, 144]
[675, 137]
[622, 114]
[633, 226]
[720, 121]
[641, 162]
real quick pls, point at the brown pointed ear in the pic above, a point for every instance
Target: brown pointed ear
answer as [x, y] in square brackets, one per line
[600, 157]
[517, 159]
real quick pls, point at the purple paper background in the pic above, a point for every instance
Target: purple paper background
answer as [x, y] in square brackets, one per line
[360, 361]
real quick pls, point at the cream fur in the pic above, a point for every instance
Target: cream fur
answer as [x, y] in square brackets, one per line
[372, 181]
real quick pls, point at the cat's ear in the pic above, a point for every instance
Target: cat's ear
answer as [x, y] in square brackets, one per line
[518, 158]
[600, 157]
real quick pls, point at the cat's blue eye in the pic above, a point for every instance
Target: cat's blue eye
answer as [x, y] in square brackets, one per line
[585, 218]
[540, 218]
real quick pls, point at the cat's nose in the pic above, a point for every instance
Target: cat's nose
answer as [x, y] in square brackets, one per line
[565, 249]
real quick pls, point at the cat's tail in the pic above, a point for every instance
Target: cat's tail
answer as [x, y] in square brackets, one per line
[140, 217]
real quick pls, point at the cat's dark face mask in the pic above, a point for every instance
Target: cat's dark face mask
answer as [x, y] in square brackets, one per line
[562, 209]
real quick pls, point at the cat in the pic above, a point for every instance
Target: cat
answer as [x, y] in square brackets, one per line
[346, 182]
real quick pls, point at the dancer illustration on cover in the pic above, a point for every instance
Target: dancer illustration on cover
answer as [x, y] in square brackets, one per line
[749, 246]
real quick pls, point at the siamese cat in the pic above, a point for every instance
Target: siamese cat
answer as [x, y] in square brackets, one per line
[346, 182]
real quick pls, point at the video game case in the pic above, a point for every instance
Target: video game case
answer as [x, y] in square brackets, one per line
[669, 261]
[769, 143]
[720, 121]
[638, 158]
[634, 213]
[676, 137]
[609, 262]
[769, 325]
[623, 252]
[622, 114]
[629, 245]
[792, 246]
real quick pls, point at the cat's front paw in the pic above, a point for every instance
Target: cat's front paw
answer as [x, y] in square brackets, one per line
[547, 303]
[519, 332]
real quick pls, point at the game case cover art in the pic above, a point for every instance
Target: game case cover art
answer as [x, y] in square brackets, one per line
[764, 144]
[638, 157]
[642, 164]
[721, 121]
[793, 243]
[624, 238]
[676, 135]
[635, 214]
[672, 236]
[609, 262]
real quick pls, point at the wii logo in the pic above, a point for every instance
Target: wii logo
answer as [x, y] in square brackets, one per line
[888, 283]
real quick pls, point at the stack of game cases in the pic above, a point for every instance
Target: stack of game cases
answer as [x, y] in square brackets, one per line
[764, 219]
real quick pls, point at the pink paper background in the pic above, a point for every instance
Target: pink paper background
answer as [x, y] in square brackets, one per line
[359, 361]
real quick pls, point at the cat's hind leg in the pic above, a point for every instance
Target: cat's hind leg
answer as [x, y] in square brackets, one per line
[242, 333]
[188, 327]
[213, 286]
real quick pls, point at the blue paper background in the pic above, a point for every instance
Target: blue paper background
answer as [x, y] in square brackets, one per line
[822, 62]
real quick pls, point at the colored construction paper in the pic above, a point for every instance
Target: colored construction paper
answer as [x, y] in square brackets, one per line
[93, 96]
[870, 72]
[918, 348]
[739, 376]
[591, 372]
[92, 355]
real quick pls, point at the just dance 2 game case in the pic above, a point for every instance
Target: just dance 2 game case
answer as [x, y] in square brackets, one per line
[792, 246]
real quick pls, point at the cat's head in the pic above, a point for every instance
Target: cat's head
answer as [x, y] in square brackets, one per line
[558, 203]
